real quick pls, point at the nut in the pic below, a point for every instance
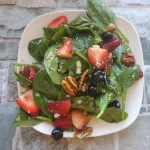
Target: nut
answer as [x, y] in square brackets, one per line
[111, 27]
[83, 80]
[128, 59]
[24, 71]
[109, 64]
[70, 85]
[83, 133]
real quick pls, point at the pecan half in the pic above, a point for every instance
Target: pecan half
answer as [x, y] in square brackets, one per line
[83, 133]
[83, 80]
[24, 71]
[128, 59]
[111, 27]
[109, 64]
[70, 85]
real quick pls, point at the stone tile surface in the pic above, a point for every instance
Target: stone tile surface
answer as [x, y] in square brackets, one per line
[7, 1]
[139, 2]
[35, 3]
[147, 85]
[36, 141]
[137, 136]
[7, 130]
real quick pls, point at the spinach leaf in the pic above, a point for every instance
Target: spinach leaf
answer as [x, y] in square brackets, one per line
[51, 64]
[25, 120]
[69, 67]
[100, 13]
[62, 94]
[122, 77]
[37, 48]
[84, 57]
[41, 102]
[43, 84]
[103, 100]
[113, 115]
[85, 103]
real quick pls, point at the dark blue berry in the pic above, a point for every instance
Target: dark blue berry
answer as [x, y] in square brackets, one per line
[57, 134]
[107, 36]
[115, 104]
[98, 76]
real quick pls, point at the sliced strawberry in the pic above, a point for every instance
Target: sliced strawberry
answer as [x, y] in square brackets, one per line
[63, 122]
[110, 46]
[65, 51]
[61, 107]
[56, 23]
[79, 120]
[33, 72]
[26, 102]
[97, 56]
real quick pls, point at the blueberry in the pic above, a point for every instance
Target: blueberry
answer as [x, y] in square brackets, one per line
[57, 134]
[115, 104]
[107, 36]
[92, 91]
[98, 76]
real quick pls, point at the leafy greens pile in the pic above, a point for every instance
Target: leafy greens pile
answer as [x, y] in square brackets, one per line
[84, 32]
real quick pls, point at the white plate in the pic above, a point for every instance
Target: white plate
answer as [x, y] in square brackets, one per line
[135, 93]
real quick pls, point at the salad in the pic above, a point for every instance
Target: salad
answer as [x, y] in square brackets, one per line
[81, 68]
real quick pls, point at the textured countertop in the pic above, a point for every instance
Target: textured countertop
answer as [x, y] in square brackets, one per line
[14, 16]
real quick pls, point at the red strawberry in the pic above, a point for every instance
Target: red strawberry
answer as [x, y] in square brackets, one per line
[65, 51]
[61, 107]
[63, 122]
[26, 102]
[79, 120]
[110, 46]
[33, 72]
[56, 23]
[97, 56]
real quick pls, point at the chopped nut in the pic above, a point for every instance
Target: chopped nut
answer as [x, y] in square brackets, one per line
[83, 80]
[128, 59]
[84, 133]
[109, 64]
[70, 85]
[111, 27]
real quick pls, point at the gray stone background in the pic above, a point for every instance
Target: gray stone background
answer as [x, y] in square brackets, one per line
[14, 16]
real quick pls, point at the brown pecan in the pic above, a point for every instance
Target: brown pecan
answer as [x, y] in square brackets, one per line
[109, 64]
[24, 71]
[128, 59]
[83, 80]
[111, 27]
[83, 133]
[70, 85]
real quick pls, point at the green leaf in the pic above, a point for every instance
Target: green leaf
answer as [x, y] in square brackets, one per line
[25, 120]
[100, 13]
[51, 64]
[41, 102]
[37, 48]
[43, 84]
[85, 103]
[113, 115]
[62, 94]
[103, 100]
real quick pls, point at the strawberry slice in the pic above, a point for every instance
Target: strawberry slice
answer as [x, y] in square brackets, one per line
[61, 107]
[97, 56]
[65, 51]
[79, 120]
[33, 72]
[63, 122]
[56, 23]
[26, 102]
